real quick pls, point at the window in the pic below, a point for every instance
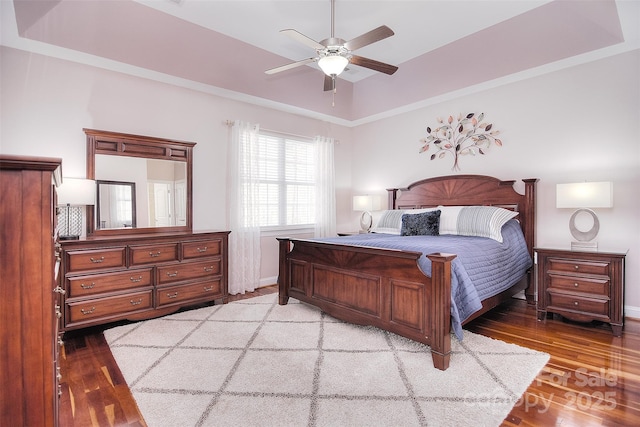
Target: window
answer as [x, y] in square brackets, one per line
[286, 175]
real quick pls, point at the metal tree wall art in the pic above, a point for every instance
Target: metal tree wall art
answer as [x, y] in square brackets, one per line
[466, 135]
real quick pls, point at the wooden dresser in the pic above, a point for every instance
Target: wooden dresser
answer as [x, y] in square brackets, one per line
[582, 286]
[141, 276]
[28, 299]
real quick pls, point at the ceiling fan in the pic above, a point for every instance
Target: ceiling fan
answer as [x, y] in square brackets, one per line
[334, 54]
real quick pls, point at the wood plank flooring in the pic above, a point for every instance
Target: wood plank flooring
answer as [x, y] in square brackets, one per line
[592, 378]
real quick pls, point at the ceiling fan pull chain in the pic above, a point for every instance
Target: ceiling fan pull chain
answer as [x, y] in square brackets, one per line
[333, 95]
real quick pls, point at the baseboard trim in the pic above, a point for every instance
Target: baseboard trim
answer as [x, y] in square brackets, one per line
[632, 312]
[268, 281]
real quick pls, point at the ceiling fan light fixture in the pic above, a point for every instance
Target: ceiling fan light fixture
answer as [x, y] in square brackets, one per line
[333, 64]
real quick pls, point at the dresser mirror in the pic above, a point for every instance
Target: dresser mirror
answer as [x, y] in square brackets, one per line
[143, 184]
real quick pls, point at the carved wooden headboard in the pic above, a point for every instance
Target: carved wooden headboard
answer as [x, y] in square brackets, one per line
[471, 190]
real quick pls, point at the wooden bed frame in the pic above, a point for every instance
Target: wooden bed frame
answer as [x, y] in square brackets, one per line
[384, 287]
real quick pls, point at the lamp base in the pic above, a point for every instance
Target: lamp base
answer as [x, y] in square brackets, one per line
[584, 246]
[366, 221]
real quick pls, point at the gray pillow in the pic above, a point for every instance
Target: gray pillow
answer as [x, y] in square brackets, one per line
[422, 224]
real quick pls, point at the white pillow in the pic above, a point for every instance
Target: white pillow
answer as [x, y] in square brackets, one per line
[480, 221]
[390, 221]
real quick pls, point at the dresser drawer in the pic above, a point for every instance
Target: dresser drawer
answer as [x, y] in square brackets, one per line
[596, 306]
[579, 266]
[83, 311]
[192, 270]
[177, 294]
[201, 249]
[108, 282]
[95, 259]
[591, 285]
[148, 254]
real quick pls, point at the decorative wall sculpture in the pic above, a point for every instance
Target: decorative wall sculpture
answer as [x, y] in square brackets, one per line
[466, 135]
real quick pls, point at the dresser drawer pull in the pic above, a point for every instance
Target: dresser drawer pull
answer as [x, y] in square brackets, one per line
[91, 286]
[97, 260]
[59, 290]
[59, 390]
[208, 269]
[58, 374]
[135, 280]
[154, 254]
[202, 249]
[60, 342]
[58, 312]
[136, 302]
[208, 288]
[174, 274]
[173, 295]
[86, 312]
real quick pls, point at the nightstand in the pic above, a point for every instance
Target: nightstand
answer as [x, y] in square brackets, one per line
[581, 285]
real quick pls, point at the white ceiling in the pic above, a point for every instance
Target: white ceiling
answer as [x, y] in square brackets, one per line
[419, 26]
[223, 47]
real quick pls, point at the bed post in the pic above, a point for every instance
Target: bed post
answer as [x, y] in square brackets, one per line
[439, 311]
[392, 196]
[283, 271]
[529, 232]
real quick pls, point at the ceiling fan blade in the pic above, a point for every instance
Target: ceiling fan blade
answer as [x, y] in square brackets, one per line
[328, 83]
[372, 36]
[302, 39]
[290, 66]
[373, 64]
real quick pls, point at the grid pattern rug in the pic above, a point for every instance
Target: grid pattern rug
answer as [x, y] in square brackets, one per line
[255, 363]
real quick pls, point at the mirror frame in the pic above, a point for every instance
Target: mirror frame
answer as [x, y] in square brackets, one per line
[131, 185]
[148, 147]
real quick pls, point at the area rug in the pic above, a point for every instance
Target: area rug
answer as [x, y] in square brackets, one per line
[256, 363]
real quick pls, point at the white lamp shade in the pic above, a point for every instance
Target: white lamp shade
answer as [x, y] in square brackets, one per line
[367, 203]
[333, 64]
[77, 192]
[584, 195]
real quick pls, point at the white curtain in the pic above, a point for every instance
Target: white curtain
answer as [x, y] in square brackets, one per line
[325, 225]
[244, 240]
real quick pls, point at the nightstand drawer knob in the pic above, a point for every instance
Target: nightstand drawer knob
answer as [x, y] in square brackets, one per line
[575, 303]
[577, 267]
[576, 285]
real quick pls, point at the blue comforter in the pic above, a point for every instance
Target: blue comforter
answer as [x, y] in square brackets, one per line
[483, 267]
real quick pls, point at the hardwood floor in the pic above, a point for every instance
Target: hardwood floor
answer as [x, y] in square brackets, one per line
[592, 378]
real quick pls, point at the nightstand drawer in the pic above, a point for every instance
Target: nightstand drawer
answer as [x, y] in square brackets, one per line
[591, 285]
[579, 266]
[596, 306]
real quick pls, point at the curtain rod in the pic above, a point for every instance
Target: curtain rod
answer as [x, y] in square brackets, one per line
[230, 123]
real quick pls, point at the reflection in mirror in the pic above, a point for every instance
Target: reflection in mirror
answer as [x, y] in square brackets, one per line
[116, 205]
[161, 189]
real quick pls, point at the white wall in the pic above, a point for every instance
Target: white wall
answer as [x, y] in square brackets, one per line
[571, 125]
[46, 103]
[578, 124]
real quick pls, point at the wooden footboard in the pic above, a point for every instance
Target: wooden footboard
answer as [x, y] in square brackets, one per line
[370, 286]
